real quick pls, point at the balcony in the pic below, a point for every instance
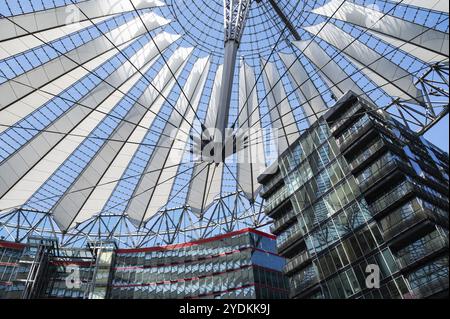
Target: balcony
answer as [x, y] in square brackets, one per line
[405, 224]
[365, 182]
[300, 287]
[431, 288]
[388, 200]
[355, 132]
[433, 197]
[297, 262]
[271, 186]
[430, 248]
[283, 222]
[291, 240]
[346, 117]
[367, 155]
[276, 201]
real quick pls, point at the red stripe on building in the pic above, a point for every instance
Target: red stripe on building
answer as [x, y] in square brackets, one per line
[70, 262]
[11, 245]
[8, 264]
[197, 242]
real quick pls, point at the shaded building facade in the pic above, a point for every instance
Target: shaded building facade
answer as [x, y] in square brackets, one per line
[241, 264]
[359, 194]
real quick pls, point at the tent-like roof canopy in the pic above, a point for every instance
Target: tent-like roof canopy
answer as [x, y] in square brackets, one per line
[104, 103]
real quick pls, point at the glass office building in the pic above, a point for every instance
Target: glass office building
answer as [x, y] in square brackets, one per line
[236, 265]
[240, 264]
[360, 208]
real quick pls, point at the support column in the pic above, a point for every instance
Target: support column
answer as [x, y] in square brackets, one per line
[235, 15]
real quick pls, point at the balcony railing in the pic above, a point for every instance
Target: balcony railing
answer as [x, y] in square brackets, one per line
[303, 285]
[404, 224]
[282, 222]
[431, 288]
[294, 235]
[366, 154]
[391, 198]
[268, 188]
[276, 199]
[297, 262]
[345, 117]
[430, 247]
[353, 132]
[366, 181]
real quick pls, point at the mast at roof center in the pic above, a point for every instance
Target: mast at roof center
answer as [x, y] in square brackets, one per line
[235, 15]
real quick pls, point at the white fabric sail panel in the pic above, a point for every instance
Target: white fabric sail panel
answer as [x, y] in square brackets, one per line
[213, 186]
[148, 195]
[397, 81]
[68, 15]
[78, 120]
[313, 104]
[207, 183]
[437, 5]
[198, 188]
[250, 159]
[211, 115]
[435, 41]
[205, 187]
[15, 46]
[420, 53]
[77, 194]
[337, 80]
[30, 103]
[280, 111]
[23, 187]
[163, 82]
[41, 75]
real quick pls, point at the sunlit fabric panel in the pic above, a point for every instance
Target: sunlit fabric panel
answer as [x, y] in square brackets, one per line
[205, 186]
[46, 151]
[20, 25]
[410, 37]
[179, 151]
[392, 78]
[422, 54]
[206, 178]
[283, 120]
[163, 83]
[250, 151]
[142, 207]
[24, 188]
[78, 193]
[19, 45]
[337, 80]
[313, 104]
[33, 101]
[438, 5]
[53, 69]
[211, 114]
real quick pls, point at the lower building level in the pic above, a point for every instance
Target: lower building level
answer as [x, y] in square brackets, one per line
[242, 264]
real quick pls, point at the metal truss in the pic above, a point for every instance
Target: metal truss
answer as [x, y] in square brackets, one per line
[434, 83]
[170, 226]
[235, 15]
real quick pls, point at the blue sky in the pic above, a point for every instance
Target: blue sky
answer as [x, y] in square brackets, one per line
[438, 135]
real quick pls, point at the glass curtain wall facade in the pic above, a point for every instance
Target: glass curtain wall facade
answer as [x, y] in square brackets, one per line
[241, 264]
[359, 190]
[237, 265]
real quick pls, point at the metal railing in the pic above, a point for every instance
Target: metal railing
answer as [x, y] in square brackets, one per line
[297, 262]
[366, 154]
[426, 249]
[391, 198]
